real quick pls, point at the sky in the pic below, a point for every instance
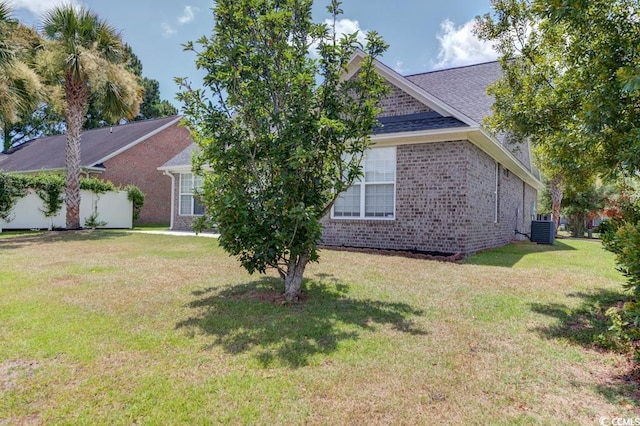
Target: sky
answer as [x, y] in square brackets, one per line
[423, 35]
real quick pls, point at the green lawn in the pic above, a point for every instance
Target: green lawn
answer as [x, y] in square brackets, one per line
[111, 327]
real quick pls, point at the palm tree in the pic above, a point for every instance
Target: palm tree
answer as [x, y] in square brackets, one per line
[84, 56]
[20, 87]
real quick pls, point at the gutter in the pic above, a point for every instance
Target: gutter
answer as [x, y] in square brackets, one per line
[173, 198]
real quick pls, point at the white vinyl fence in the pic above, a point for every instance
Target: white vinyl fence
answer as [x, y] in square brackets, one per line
[113, 208]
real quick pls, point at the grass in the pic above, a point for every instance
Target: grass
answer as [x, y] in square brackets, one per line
[111, 327]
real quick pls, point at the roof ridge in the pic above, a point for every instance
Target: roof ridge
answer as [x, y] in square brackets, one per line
[450, 69]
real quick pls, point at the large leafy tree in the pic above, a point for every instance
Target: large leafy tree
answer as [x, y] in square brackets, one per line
[20, 87]
[84, 56]
[568, 85]
[571, 71]
[284, 133]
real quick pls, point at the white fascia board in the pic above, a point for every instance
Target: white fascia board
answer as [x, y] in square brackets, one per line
[139, 140]
[186, 168]
[59, 169]
[410, 88]
[475, 135]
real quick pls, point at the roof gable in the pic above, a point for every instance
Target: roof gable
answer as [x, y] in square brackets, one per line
[96, 145]
[410, 88]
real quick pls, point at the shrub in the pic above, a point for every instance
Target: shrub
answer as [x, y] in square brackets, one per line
[96, 185]
[50, 189]
[12, 187]
[136, 196]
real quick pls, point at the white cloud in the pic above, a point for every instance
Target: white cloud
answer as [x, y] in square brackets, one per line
[188, 15]
[399, 67]
[347, 26]
[459, 46]
[343, 26]
[39, 7]
[167, 30]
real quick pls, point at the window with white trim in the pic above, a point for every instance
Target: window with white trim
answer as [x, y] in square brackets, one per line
[372, 196]
[190, 204]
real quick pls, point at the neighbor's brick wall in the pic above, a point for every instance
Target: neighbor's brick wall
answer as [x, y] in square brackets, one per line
[444, 203]
[180, 223]
[139, 166]
[398, 102]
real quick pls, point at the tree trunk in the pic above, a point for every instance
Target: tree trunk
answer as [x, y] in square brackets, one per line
[76, 99]
[556, 199]
[293, 280]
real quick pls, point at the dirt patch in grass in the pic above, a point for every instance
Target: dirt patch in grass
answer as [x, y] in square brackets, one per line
[269, 296]
[11, 372]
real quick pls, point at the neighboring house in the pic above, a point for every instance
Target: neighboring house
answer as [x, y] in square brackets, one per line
[435, 180]
[185, 206]
[125, 154]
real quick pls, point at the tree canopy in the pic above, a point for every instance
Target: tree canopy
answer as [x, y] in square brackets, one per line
[20, 86]
[282, 133]
[571, 81]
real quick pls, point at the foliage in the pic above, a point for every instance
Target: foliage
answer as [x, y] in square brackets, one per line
[278, 147]
[152, 106]
[50, 189]
[20, 87]
[12, 187]
[583, 203]
[42, 121]
[626, 319]
[92, 221]
[136, 196]
[97, 186]
[621, 236]
[566, 81]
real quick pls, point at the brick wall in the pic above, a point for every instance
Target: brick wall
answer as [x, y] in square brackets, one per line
[445, 202]
[398, 102]
[180, 223]
[139, 166]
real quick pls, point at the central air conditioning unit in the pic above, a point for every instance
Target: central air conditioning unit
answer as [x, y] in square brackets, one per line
[543, 231]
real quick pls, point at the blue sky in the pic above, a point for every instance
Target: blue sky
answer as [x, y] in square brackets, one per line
[422, 34]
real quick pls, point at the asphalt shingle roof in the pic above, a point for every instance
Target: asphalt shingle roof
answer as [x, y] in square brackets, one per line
[49, 153]
[183, 158]
[416, 122]
[463, 88]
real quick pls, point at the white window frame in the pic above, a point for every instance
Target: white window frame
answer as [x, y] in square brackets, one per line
[191, 193]
[362, 184]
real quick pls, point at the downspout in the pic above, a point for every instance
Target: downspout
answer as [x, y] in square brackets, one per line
[173, 199]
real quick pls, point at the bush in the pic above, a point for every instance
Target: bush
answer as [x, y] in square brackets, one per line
[625, 243]
[136, 196]
[12, 187]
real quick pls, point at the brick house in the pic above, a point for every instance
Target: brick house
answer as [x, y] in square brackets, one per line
[185, 207]
[125, 154]
[435, 179]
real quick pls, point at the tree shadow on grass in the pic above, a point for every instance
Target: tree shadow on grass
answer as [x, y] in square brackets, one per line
[253, 317]
[24, 240]
[509, 255]
[588, 326]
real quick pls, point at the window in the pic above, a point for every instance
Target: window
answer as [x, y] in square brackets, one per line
[373, 196]
[190, 205]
